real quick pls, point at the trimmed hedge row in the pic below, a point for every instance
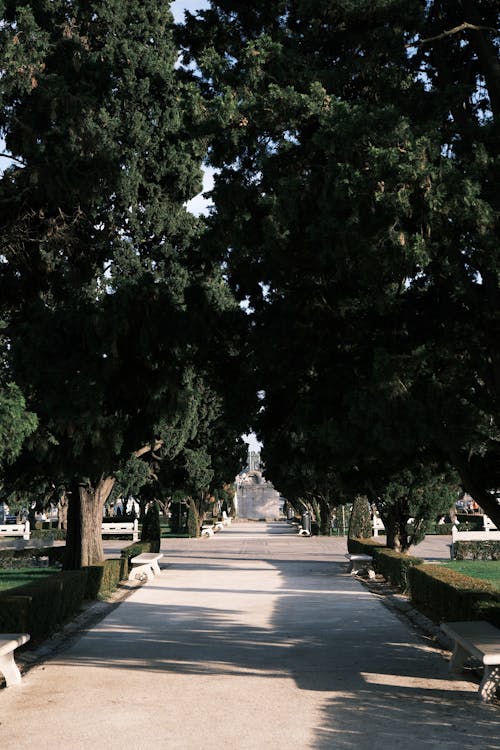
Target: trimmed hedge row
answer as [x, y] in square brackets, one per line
[442, 593]
[43, 607]
[392, 565]
[395, 567]
[447, 595]
[484, 550]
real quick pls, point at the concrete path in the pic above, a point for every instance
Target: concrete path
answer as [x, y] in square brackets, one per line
[252, 639]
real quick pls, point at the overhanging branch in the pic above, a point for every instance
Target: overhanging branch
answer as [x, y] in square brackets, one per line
[451, 32]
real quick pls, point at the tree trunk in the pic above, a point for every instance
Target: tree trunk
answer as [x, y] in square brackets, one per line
[85, 512]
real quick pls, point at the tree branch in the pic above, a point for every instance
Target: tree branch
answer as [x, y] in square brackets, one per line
[456, 30]
[13, 158]
[147, 448]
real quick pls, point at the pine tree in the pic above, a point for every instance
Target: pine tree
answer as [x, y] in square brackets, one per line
[99, 272]
[357, 147]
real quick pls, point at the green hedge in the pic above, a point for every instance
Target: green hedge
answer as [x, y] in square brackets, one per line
[136, 548]
[395, 566]
[485, 550]
[392, 565]
[41, 608]
[48, 534]
[363, 546]
[446, 595]
[104, 578]
[14, 558]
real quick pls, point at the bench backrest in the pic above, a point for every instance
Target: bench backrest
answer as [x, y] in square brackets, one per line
[474, 536]
[126, 527]
[488, 524]
[377, 525]
[15, 529]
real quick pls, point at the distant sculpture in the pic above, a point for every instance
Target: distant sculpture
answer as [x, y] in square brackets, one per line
[256, 498]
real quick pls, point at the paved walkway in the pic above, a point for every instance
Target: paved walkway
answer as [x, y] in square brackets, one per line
[252, 639]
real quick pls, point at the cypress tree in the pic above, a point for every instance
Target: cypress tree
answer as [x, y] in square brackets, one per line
[98, 251]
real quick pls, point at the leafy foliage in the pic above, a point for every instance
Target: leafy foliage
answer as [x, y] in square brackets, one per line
[356, 145]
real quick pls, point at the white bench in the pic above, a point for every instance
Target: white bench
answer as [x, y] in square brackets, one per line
[304, 532]
[145, 565]
[226, 520]
[212, 525]
[8, 644]
[472, 536]
[15, 529]
[488, 524]
[377, 526]
[359, 563]
[207, 530]
[125, 528]
[481, 640]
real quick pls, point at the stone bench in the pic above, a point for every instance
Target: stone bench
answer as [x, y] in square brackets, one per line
[8, 644]
[145, 565]
[207, 530]
[124, 528]
[360, 563]
[15, 529]
[377, 526]
[480, 640]
[212, 524]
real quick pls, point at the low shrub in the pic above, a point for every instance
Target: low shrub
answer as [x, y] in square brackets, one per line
[134, 549]
[41, 608]
[48, 534]
[15, 558]
[363, 546]
[445, 595]
[104, 578]
[484, 550]
[394, 566]
[439, 528]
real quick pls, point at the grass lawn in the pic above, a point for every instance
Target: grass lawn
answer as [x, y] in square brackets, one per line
[486, 570]
[10, 578]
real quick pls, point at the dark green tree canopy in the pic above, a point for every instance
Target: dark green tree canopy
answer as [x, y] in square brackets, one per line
[357, 149]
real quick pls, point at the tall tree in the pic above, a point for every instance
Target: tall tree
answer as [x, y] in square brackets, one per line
[355, 203]
[99, 275]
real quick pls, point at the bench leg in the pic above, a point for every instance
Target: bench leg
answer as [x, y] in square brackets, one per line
[489, 683]
[458, 659]
[155, 567]
[141, 570]
[10, 669]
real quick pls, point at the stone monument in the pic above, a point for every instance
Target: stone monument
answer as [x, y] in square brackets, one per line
[256, 499]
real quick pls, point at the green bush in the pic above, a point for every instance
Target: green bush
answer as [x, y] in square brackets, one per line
[394, 566]
[48, 534]
[15, 558]
[445, 595]
[41, 608]
[104, 578]
[136, 548]
[364, 547]
[436, 528]
[360, 522]
[486, 550]
[193, 520]
[151, 528]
